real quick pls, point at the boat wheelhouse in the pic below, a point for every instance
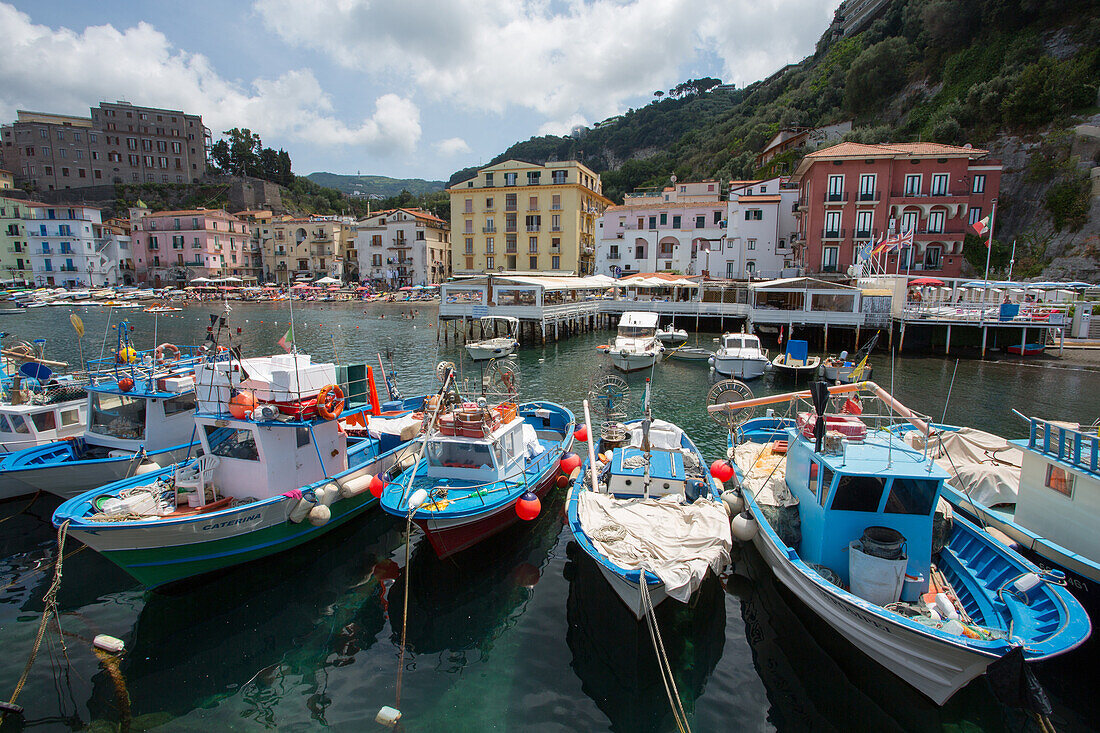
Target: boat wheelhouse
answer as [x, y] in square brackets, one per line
[740, 355]
[636, 345]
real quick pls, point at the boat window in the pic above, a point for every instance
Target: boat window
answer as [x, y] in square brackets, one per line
[119, 416]
[1059, 480]
[821, 478]
[453, 454]
[5, 426]
[179, 403]
[69, 417]
[734, 343]
[637, 331]
[230, 443]
[858, 493]
[20, 425]
[911, 496]
[302, 434]
[44, 421]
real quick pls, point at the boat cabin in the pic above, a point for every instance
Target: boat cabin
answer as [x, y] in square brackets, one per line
[638, 325]
[738, 341]
[156, 413]
[878, 481]
[480, 444]
[22, 426]
[1059, 494]
[670, 458]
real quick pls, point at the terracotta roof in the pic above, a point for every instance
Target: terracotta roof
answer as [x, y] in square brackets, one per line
[922, 150]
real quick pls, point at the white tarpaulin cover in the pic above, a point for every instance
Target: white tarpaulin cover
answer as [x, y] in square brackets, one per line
[675, 541]
[764, 474]
[984, 466]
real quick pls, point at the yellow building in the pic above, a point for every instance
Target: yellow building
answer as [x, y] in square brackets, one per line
[6, 180]
[313, 247]
[14, 261]
[525, 217]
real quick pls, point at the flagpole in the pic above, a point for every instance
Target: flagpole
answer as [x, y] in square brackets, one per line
[989, 249]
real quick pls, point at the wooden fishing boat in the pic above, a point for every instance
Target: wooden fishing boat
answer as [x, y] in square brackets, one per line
[482, 468]
[934, 604]
[795, 362]
[265, 483]
[1026, 349]
[840, 368]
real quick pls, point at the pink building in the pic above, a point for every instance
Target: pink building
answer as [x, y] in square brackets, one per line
[853, 193]
[174, 247]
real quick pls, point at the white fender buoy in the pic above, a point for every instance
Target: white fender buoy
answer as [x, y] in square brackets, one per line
[109, 644]
[356, 486]
[328, 494]
[418, 498]
[388, 716]
[734, 501]
[301, 510]
[573, 476]
[319, 515]
[147, 467]
[743, 526]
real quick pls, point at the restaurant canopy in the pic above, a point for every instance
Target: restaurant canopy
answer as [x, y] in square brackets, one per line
[327, 281]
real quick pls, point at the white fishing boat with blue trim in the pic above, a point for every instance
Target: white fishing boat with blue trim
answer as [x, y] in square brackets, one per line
[845, 514]
[276, 469]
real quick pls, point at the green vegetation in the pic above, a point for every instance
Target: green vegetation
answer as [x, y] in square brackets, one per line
[169, 196]
[243, 154]
[380, 185]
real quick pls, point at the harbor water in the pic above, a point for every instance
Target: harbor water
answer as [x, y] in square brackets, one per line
[521, 633]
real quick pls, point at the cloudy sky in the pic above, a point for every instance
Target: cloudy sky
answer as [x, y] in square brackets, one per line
[409, 88]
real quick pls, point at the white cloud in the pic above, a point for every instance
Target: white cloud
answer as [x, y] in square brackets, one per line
[567, 61]
[452, 146]
[61, 70]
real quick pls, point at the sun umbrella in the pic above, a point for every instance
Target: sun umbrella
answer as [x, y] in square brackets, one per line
[921, 281]
[298, 286]
[201, 280]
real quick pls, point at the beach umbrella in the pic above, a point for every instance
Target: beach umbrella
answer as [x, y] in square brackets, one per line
[407, 287]
[201, 280]
[327, 281]
[921, 281]
[298, 286]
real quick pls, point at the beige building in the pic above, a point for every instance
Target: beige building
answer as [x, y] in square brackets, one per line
[525, 217]
[404, 247]
[7, 180]
[118, 143]
[309, 248]
[14, 260]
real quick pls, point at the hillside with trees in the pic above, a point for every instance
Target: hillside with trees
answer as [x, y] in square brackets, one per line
[383, 186]
[1012, 76]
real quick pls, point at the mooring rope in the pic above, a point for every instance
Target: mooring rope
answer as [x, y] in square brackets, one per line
[667, 678]
[24, 509]
[49, 609]
[405, 607]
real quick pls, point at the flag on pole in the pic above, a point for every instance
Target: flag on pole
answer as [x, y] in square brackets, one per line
[982, 227]
[287, 337]
[780, 335]
[905, 239]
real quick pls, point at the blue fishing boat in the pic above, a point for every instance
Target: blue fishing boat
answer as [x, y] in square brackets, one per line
[644, 508]
[846, 518]
[1041, 495]
[139, 417]
[276, 470]
[482, 468]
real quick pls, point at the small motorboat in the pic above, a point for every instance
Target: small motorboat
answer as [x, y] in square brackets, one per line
[1026, 349]
[497, 347]
[849, 519]
[653, 520]
[160, 309]
[690, 353]
[740, 355]
[795, 361]
[481, 468]
[840, 368]
[672, 335]
[266, 482]
[636, 345]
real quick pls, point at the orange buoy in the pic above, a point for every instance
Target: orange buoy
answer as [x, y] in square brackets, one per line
[241, 404]
[330, 401]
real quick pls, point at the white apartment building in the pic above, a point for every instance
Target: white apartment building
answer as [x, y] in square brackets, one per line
[757, 241]
[404, 247]
[69, 245]
[670, 230]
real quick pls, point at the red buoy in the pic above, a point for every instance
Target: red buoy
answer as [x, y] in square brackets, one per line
[126, 384]
[569, 461]
[581, 434]
[376, 486]
[563, 481]
[241, 404]
[528, 506]
[721, 470]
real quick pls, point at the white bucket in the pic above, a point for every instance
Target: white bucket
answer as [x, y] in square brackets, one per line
[873, 578]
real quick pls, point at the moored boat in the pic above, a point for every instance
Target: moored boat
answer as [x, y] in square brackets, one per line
[636, 345]
[846, 519]
[690, 353]
[1026, 349]
[840, 369]
[795, 362]
[740, 355]
[672, 335]
[498, 346]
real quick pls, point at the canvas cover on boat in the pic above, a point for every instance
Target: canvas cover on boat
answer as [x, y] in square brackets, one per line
[984, 466]
[675, 541]
[764, 474]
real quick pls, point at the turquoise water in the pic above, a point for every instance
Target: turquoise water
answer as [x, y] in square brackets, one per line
[518, 633]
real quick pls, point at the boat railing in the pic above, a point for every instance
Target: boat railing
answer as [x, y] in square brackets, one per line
[144, 364]
[1073, 446]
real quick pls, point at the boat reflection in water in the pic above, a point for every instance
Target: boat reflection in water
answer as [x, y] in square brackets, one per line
[816, 680]
[267, 632]
[613, 654]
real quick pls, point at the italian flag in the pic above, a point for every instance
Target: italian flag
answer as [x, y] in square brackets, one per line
[287, 337]
[981, 228]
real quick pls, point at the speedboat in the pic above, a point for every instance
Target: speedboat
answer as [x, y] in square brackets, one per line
[1034, 494]
[672, 335]
[497, 347]
[481, 469]
[636, 345]
[840, 368]
[847, 519]
[795, 361]
[275, 471]
[646, 511]
[739, 355]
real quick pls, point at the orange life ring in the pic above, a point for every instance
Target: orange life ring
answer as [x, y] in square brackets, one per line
[160, 351]
[323, 409]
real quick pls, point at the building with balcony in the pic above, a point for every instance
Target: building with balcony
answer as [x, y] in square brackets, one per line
[525, 217]
[117, 143]
[403, 247]
[14, 248]
[309, 248]
[758, 240]
[851, 194]
[662, 230]
[175, 247]
[69, 245]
